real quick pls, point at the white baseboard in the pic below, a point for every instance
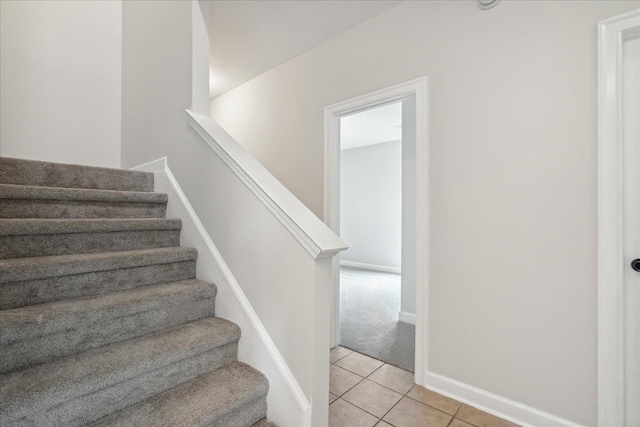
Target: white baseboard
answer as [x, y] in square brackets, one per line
[499, 406]
[405, 317]
[286, 401]
[374, 267]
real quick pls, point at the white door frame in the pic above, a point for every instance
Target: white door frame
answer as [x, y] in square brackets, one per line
[332, 114]
[611, 34]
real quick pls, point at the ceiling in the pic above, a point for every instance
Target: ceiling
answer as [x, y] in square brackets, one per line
[375, 126]
[249, 38]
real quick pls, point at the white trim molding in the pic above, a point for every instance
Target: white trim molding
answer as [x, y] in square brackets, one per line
[611, 34]
[373, 267]
[494, 404]
[332, 114]
[406, 317]
[312, 233]
[286, 400]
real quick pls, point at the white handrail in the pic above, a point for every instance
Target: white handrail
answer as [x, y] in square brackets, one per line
[314, 235]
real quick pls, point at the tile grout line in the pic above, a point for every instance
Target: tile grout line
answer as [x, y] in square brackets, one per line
[406, 394]
[360, 375]
[332, 363]
[365, 378]
[371, 357]
[399, 400]
[455, 418]
[433, 407]
[361, 379]
[363, 410]
[401, 397]
[357, 407]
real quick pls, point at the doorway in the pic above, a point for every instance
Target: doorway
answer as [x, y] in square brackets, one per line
[411, 97]
[373, 148]
[619, 221]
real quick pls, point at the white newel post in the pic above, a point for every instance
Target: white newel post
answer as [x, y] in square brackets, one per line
[321, 342]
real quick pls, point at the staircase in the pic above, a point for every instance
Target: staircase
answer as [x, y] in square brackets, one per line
[102, 319]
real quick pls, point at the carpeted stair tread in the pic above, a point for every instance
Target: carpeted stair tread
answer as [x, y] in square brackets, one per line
[33, 268]
[37, 173]
[57, 278]
[214, 399]
[27, 226]
[23, 201]
[41, 333]
[97, 382]
[30, 192]
[51, 317]
[24, 238]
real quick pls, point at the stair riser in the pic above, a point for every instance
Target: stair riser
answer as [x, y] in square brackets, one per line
[25, 208]
[27, 172]
[247, 415]
[25, 345]
[102, 396]
[20, 294]
[32, 245]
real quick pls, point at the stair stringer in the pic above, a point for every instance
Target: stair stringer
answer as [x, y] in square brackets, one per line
[287, 403]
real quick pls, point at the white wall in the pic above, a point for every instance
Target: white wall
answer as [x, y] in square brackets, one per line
[60, 75]
[371, 204]
[201, 23]
[512, 134]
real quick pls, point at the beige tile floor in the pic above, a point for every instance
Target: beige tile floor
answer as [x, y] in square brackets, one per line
[366, 392]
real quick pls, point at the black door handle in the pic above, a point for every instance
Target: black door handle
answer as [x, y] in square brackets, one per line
[635, 264]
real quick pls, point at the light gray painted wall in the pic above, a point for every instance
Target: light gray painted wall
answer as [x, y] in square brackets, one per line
[512, 169]
[60, 77]
[371, 204]
[201, 24]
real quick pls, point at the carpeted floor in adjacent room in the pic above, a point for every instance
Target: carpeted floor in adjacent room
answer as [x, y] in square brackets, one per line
[369, 307]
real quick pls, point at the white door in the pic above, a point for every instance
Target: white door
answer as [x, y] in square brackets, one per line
[619, 221]
[631, 224]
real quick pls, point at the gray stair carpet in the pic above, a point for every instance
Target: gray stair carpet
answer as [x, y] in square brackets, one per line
[102, 319]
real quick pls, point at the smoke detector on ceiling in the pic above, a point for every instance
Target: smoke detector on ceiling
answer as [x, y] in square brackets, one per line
[487, 4]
